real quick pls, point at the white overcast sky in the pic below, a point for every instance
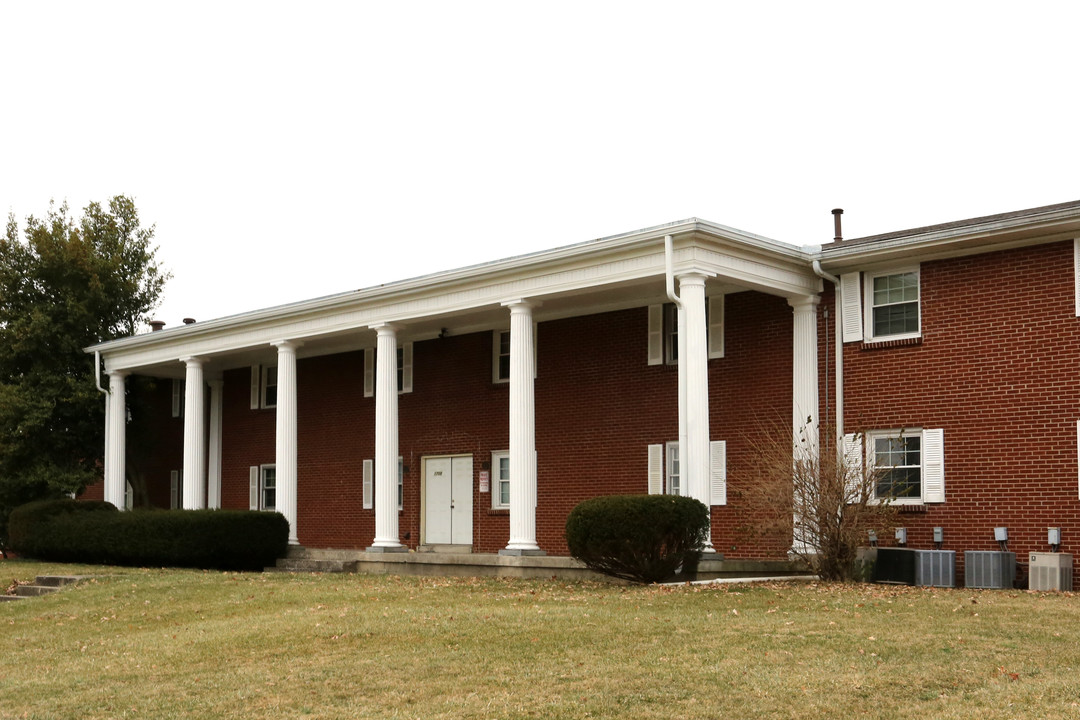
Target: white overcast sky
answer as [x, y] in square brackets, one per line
[291, 150]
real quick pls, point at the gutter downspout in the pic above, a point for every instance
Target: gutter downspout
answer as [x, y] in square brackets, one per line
[669, 278]
[97, 371]
[838, 307]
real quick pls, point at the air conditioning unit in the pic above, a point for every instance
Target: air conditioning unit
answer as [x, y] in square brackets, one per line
[989, 569]
[906, 566]
[1050, 571]
[935, 568]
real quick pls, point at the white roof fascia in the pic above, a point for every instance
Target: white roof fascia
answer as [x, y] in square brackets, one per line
[740, 257]
[956, 241]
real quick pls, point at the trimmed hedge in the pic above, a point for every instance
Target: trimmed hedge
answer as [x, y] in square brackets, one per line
[642, 538]
[25, 521]
[212, 539]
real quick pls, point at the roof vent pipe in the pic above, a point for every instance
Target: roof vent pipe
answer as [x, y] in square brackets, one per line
[156, 325]
[189, 321]
[836, 213]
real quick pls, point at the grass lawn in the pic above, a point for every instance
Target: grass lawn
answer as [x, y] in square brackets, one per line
[179, 643]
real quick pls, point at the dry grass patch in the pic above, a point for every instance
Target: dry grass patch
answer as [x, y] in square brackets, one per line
[175, 643]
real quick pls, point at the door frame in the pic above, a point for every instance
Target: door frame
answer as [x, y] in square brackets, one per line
[423, 491]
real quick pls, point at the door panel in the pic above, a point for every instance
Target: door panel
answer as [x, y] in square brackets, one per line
[437, 500]
[461, 502]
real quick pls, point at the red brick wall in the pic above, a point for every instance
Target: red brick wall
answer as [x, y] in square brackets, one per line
[998, 368]
[598, 406]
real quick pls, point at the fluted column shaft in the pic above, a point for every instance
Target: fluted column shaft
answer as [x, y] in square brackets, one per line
[804, 401]
[285, 439]
[213, 476]
[694, 368]
[115, 441]
[386, 439]
[522, 431]
[194, 477]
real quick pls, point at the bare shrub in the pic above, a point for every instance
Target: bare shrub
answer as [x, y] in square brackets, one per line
[823, 500]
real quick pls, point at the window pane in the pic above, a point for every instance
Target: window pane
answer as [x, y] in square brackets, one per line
[504, 468]
[896, 319]
[269, 489]
[504, 493]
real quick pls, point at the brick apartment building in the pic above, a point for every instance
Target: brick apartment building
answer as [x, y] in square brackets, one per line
[518, 388]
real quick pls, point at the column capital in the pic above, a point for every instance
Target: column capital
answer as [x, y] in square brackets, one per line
[694, 277]
[215, 382]
[519, 305]
[118, 373]
[385, 328]
[804, 302]
[193, 360]
[287, 345]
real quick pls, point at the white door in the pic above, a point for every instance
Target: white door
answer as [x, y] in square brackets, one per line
[448, 500]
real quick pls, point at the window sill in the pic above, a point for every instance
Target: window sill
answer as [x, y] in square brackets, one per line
[900, 342]
[910, 509]
[499, 511]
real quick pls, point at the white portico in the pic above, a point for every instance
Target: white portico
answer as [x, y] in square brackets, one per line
[514, 295]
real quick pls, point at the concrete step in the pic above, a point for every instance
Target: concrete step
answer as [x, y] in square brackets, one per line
[451, 549]
[9, 598]
[302, 553]
[308, 565]
[59, 580]
[35, 590]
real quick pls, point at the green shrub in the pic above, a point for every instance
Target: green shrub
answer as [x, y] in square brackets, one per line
[214, 539]
[642, 538]
[27, 525]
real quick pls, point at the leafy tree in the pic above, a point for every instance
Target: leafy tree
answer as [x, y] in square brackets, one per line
[65, 283]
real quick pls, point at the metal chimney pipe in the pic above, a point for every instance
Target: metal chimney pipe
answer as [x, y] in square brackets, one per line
[836, 224]
[157, 325]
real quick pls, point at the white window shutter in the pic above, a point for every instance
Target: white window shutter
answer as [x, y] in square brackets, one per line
[369, 372]
[177, 396]
[369, 487]
[253, 487]
[933, 442]
[852, 466]
[656, 469]
[256, 379]
[406, 367]
[1076, 273]
[174, 489]
[400, 482]
[656, 334]
[716, 326]
[718, 472]
[851, 306]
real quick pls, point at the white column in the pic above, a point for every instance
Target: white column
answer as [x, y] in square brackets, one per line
[694, 367]
[213, 484]
[386, 441]
[194, 477]
[804, 394]
[115, 441]
[285, 445]
[522, 433]
[804, 401]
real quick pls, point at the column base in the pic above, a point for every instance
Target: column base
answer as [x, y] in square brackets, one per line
[518, 552]
[386, 549]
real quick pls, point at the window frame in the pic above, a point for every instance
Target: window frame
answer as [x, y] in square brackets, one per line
[263, 488]
[869, 333]
[673, 457]
[497, 456]
[497, 355]
[265, 385]
[870, 438]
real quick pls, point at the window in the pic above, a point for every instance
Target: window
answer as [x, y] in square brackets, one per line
[500, 484]
[909, 465]
[264, 386]
[671, 334]
[898, 461]
[663, 343]
[674, 473]
[670, 477]
[500, 356]
[892, 301]
[368, 480]
[178, 397]
[268, 487]
[404, 369]
[269, 386]
[175, 482]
